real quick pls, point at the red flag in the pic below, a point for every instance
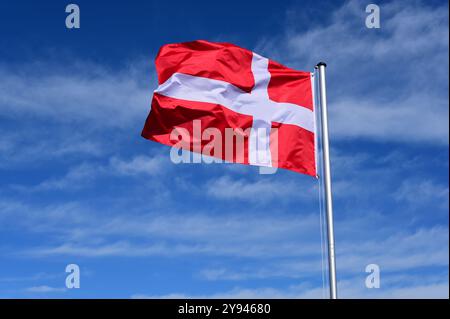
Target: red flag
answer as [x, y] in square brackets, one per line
[212, 93]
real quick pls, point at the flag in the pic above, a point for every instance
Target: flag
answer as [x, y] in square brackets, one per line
[229, 103]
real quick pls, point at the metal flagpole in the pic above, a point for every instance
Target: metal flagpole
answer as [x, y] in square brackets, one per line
[327, 180]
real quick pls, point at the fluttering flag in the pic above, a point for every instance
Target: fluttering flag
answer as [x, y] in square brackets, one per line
[229, 103]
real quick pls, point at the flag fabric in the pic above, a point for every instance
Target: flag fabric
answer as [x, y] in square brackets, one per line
[210, 93]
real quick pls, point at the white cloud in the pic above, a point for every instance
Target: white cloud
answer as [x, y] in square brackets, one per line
[63, 112]
[419, 192]
[258, 191]
[289, 244]
[77, 93]
[35, 277]
[414, 119]
[17, 148]
[389, 84]
[433, 291]
[139, 165]
[361, 241]
[350, 288]
[44, 289]
[194, 234]
[405, 250]
[79, 176]
[396, 255]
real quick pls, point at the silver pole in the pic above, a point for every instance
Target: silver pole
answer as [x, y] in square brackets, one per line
[327, 180]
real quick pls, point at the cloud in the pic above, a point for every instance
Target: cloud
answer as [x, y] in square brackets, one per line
[388, 84]
[405, 250]
[433, 291]
[346, 289]
[395, 255]
[419, 192]
[293, 268]
[80, 176]
[48, 144]
[80, 93]
[34, 277]
[80, 231]
[226, 188]
[415, 119]
[139, 165]
[44, 289]
[51, 111]
[195, 234]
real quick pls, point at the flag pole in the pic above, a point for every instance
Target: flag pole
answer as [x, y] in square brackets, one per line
[327, 180]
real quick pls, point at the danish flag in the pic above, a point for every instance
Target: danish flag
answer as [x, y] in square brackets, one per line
[223, 86]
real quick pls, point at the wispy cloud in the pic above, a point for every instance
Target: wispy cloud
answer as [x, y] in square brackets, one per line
[44, 289]
[420, 192]
[388, 84]
[57, 112]
[226, 188]
[76, 94]
[229, 235]
[79, 176]
[350, 288]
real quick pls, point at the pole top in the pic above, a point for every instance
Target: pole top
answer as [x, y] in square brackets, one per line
[321, 64]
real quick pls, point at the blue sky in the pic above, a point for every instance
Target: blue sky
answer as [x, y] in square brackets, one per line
[79, 185]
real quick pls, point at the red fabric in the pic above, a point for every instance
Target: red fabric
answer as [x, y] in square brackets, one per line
[292, 147]
[219, 61]
[295, 149]
[291, 86]
[168, 113]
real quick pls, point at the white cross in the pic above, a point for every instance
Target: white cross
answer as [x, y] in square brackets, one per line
[256, 104]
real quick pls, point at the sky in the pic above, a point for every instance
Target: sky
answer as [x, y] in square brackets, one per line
[79, 185]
